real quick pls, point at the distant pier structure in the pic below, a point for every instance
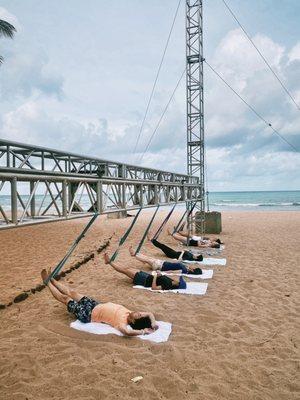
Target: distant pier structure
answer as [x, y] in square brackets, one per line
[39, 184]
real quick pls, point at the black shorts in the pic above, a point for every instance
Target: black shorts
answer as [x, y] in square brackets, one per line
[83, 308]
[142, 278]
[193, 242]
[188, 256]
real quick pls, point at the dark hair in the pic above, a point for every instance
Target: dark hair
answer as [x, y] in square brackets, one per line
[196, 271]
[199, 257]
[218, 241]
[165, 282]
[215, 245]
[141, 323]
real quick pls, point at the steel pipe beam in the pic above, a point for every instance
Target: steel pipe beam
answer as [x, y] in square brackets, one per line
[79, 196]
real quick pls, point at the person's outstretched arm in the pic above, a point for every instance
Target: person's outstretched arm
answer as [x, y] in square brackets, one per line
[154, 285]
[152, 319]
[134, 332]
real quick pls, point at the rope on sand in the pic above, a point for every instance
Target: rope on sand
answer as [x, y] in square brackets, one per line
[38, 288]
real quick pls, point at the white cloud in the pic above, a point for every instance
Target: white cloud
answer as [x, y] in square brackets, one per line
[95, 105]
[25, 74]
[31, 123]
[243, 69]
[237, 60]
[229, 169]
[294, 54]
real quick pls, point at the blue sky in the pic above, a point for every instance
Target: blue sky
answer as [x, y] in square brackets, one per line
[78, 75]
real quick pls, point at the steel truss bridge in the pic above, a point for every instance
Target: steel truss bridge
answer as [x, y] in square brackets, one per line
[60, 185]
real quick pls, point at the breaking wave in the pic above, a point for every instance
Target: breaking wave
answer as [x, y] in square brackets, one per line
[228, 204]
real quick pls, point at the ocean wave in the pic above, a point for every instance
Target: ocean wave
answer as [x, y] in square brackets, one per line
[295, 204]
[236, 204]
[278, 204]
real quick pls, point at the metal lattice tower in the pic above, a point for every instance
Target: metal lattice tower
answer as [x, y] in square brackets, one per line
[195, 106]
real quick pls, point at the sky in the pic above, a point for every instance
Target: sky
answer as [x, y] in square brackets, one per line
[78, 74]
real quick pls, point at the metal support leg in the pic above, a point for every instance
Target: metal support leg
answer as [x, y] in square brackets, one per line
[64, 199]
[32, 202]
[141, 196]
[156, 198]
[123, 195]
[99, 198]
[14, 201]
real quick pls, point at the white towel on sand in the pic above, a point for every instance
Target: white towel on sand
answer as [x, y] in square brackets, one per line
[197, 288]
[206, 274]
[161, 335]
[194, 237]
[204, 250]
[208, 261]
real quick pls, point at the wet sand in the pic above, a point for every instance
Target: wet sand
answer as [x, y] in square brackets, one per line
[239, 341]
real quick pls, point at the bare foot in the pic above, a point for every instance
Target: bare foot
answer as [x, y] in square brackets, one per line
[149, 236]
[169, 232]
[131, 251]
[106, 258]
[44, 274]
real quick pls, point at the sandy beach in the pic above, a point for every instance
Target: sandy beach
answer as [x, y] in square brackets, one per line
[239, 341]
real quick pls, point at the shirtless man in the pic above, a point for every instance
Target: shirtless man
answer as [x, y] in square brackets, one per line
[88, 310]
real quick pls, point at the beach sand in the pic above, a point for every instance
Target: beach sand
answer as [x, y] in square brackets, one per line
[239, 341]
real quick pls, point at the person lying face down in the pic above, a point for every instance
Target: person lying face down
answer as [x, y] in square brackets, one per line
[196, 241]
[177, 255]
[166, 266]
[87, 310]
[141, 278]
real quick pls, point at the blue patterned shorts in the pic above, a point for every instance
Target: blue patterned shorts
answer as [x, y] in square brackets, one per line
[83, 308]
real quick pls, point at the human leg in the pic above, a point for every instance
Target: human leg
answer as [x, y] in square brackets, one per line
[130, 272]
[67, 291]
[78, 305]
[170, 253]
[142, 257]
[59, 296]
[180, 238]
[184, 234]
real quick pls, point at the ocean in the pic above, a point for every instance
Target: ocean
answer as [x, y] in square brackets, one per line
[247, 201]
[220, 201]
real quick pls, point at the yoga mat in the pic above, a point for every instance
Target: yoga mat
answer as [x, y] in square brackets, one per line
[209, 251]
[195, 288]
[208, 261]
[98, 328]
[206, 274]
